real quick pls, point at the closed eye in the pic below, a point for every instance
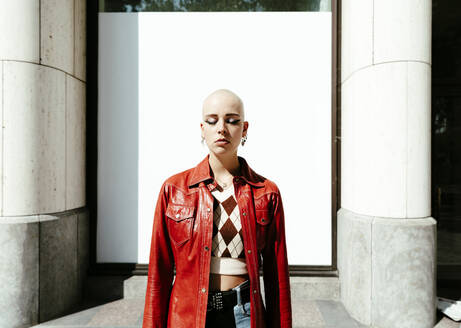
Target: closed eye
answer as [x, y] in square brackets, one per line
[231, 121]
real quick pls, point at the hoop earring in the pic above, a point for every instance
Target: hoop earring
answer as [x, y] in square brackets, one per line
[203, 139]
[244, 139]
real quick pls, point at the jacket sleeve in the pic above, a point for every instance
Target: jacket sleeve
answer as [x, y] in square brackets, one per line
[160, 272]
[275, 270]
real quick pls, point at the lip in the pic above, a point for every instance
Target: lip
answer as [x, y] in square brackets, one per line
[221, 142]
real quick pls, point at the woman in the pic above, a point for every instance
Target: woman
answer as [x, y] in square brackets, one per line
[218, 223]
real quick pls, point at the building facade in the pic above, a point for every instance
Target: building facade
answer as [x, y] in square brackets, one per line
[385, 268]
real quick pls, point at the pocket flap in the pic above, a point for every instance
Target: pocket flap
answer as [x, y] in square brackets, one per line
[179, 212]
[262, 216]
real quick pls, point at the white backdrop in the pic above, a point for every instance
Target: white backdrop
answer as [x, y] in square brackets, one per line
[279, 63]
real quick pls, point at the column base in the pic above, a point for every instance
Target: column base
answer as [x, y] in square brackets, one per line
[387, 269]
[43, 265]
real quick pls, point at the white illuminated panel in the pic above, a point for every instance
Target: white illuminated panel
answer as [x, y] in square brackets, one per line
[279, 63]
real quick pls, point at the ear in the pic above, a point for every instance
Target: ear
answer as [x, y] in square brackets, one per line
[245, 128]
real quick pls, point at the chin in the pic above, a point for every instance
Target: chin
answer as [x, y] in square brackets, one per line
[222, 150]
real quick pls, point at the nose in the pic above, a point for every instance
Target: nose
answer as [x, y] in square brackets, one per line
[221, 126]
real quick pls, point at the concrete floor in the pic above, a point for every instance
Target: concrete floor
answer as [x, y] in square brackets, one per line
[127, 313]
[447, 323]
[105, 307]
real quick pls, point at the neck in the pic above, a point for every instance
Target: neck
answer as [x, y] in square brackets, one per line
[224, 166]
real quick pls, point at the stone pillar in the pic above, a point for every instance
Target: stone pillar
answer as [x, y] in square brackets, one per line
[43, 257]
[386, 235]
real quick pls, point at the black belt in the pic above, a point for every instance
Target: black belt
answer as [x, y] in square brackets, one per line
[222, 299]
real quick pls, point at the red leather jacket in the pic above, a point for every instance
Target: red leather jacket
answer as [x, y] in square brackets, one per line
[182, 232]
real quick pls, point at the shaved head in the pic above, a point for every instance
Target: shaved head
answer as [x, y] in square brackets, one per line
[223, 118]
[223, 97]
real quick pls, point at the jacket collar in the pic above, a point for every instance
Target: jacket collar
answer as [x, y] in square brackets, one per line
[202, 172]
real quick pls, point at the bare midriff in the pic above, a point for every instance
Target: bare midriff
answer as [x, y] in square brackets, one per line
[226, 282]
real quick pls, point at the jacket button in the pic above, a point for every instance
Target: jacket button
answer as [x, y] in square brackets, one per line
[249, 251]
[206, 248]
[254, 291]
[262, 220]
[244, 213]
[203, 290]
[177, 215]
[208, 209]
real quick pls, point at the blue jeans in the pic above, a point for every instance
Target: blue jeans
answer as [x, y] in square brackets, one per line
[242, 315]
[236, 317]
[242, 310]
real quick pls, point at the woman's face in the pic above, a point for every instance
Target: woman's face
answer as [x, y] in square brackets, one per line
[223, 119]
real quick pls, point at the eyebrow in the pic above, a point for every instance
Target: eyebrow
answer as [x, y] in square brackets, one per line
[228, 114]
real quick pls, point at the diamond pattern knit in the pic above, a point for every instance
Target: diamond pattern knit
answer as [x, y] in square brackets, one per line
[227, 229]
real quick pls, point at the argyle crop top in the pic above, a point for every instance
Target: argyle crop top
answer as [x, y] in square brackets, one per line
[227, 256]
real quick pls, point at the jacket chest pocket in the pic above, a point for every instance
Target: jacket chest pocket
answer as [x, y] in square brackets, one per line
[180, 220]
[262, 221]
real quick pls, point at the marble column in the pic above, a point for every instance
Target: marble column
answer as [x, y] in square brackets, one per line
[386, 235]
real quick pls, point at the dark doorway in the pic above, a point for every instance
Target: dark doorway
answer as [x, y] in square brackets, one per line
[446, 143]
